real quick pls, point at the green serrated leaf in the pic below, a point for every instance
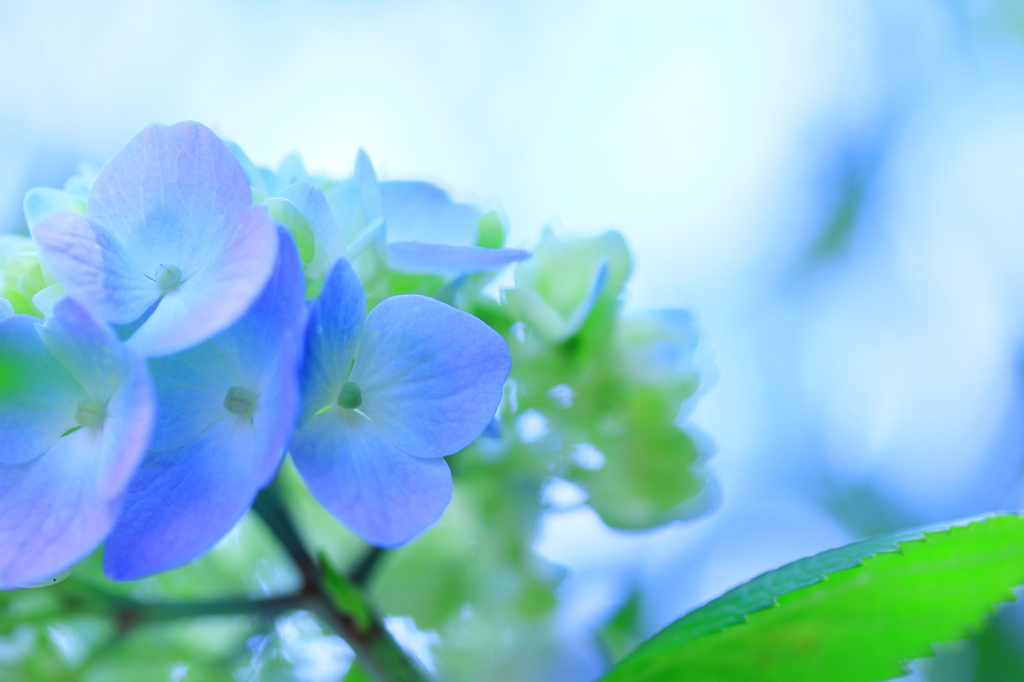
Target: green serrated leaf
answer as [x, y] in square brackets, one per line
[853, 614]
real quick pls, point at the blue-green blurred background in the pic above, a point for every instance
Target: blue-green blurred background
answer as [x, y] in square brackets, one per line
[835, 189]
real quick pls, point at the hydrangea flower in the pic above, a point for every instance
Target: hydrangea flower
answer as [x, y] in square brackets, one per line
[426, 231]
[41, 201]
[559, 287]
[76, 413]
[358, 208]
[22, 278]
[169, 232]
[385, 399]
[227, 410]
[416, 225]
[303, 209]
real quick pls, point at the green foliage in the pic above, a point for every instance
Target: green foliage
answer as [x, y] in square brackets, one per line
[345, 595]
[490, 231]
[617, 636]
[557, 289]
[854, 614]
[82, 630]
[613, 394]
[356, 674]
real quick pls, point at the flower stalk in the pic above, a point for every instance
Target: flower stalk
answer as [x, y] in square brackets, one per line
[338, 601]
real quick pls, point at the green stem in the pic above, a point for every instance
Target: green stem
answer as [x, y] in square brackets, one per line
[340, 603]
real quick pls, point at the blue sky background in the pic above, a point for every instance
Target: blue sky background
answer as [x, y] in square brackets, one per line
[835, 189]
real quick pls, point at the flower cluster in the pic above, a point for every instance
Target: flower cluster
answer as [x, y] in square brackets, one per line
[180, 321]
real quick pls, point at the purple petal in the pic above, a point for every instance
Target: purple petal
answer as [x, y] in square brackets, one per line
[57, 508]
[87, 348]
[169, 196]
[45, 370]
[420, 211]
[184, 500]
[214, 297]
[279, 312]
[331, 336]
[442, 259]
[50, 513]
[92, 268]
[431, 376]
[382, 494]
[131, 416]
[192, 384]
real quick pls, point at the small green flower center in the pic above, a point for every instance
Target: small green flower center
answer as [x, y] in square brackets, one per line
[350, 396]
[168, 276]
[90, 413]
[240, 401]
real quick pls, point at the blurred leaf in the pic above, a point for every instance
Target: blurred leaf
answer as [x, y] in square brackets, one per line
[647, 472]
[346, 596]
[490, 232]
[619, 634]
[852, 614]
[1000, 654]
[356, 674]
[428, 579]
[558, 288]
[995, 654]
[321, 532]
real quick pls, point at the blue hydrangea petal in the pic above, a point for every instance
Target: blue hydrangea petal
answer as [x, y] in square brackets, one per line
[87, 348]
[442, 259]
[131, 418]
[45, 299]
[379, 492]
[251, 170]
[279, 311]
[169, 196]
[431, 376]
[6, 310]
[329, 245]
[51, 515]
[357, 206]
[369, 188]
[217, 295]
[57, 508]
[192, 384]
[331, 336]
[92, 267]
[41, 201]
[38, 395]
[420, 211]
[184, 500]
